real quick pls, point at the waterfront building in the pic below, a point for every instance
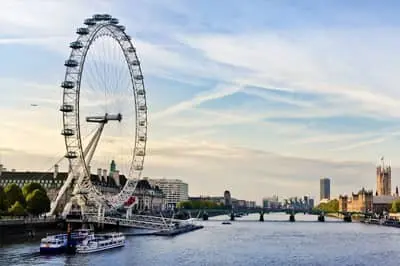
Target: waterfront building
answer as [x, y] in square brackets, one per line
[383, 179]
[305, 200]
[148, 197]
[311, 203]
[383, 203]
[174, 190]
[227, 198]
[250, 204]
[325, 188]
[271, 202]
[362, 201]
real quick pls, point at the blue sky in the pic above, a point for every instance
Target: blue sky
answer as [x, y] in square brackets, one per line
[259, 98]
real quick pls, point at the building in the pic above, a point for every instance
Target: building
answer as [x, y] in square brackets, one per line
[383, 179]
[325, 188]
[148, 197]
[227, 198]
[174, 190]
[250, 204]
[383, 203]
[305, 200]
[271, 202]
[108, 184]
[358, 202]
[311, 203]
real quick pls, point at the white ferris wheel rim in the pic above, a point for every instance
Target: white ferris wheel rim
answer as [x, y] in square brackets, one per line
[99, 26]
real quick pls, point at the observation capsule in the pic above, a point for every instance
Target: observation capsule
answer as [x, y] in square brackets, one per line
[135, 63]
[138, 77]
[121, 27]
[71, 155]
[140, 92]
[67, 132]
[89, 22]
[67, 84]
[71, 63]
[67, 108]
[76, 45]
[114, 21]
[82, 31]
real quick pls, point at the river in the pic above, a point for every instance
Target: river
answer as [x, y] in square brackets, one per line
[244, 242]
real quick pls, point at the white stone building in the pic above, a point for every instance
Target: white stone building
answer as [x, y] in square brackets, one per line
[174, 190]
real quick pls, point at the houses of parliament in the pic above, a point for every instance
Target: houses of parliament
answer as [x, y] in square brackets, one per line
[367, 201]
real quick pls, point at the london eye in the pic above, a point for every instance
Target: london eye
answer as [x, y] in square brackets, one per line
[104, 104]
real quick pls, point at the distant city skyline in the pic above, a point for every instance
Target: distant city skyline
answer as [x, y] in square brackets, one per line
[238, 98]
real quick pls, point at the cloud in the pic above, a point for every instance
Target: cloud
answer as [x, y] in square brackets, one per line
[219, 92]
[303, 61]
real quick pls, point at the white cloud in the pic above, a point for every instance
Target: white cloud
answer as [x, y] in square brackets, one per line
[217, 93]
[303, 61]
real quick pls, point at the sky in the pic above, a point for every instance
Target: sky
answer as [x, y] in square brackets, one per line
[260, 98]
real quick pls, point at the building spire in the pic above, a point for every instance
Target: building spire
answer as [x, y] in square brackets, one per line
[113, 167]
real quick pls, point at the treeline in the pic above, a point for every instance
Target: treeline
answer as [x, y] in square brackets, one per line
[199, 204]
[330, 206]
[395, 206]
[31, 199]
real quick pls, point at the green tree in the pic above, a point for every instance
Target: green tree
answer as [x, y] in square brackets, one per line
[14, 194]
[3, 200]
[37, 202]
[30, 187]
[198, 204]
[17, 209]
[395, 206]
[330, 206]
[185, 205]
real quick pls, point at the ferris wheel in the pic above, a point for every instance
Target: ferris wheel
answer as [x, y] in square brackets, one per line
[104, 103]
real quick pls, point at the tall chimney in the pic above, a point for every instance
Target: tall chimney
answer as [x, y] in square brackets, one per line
[116, 177]
[105, 175]
[55, 173]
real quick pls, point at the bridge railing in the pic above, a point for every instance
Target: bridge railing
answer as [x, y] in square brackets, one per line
[29, 220]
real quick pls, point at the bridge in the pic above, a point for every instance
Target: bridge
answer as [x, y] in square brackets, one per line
[238, 212]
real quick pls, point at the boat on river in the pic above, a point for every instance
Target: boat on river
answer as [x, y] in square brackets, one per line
[96, 243]
[56, 244]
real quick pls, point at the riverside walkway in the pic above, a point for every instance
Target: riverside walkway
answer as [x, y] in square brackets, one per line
[10, 221]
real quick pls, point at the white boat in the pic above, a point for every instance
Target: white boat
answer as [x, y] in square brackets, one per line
[95, 243]
[53, 244]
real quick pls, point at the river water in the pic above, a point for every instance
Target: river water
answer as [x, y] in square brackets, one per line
[244, 242]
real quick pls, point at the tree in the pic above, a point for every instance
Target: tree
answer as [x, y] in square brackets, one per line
[3, 200]
[17, 209]
[37, 202]
[199, 204]
[185, 205]
[395, 206]
[30, 187]
[330, 206]
[14, 194]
